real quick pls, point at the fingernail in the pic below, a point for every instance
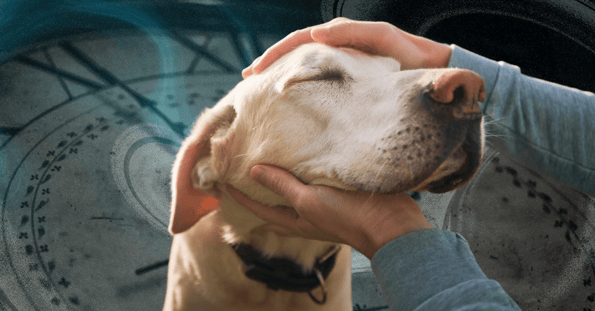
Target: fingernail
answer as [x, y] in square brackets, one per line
[246, 71]
[258, 172]
[255, 64]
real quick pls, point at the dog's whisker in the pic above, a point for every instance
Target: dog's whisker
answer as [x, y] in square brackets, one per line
[378, 174]
[241, 155]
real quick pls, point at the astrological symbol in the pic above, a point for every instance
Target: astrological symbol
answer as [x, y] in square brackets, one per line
[55, 301]
[73, 150]
[41, 219]
[42, 204]
[563, 211]
[24, 204]
[92, 136]
[45, 191]
[43, 248]
[56, 168]
[71, 134]
[545, 197]
[47, 177]
[50, 153]
[74, 300]
[34, 177]
[572, 225]
[23, 235]
[63, 282]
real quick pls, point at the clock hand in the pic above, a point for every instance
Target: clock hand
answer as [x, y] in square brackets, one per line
[59, 72]
[177, 127]
[201, 50]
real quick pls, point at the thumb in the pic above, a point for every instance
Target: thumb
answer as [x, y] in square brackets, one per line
[279, 181]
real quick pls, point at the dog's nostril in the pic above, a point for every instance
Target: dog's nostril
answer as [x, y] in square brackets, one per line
[459, 95]
[461, 83]
[456, 93]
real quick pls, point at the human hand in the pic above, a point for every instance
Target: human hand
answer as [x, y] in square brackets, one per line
[376, 38]
[362, 220]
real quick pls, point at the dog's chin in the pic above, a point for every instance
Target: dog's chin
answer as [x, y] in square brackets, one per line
[454, 172]
[467, 169]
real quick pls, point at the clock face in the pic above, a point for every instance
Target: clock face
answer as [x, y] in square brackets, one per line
[90, 127]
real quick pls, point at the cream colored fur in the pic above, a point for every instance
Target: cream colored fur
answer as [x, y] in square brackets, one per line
[331, 117]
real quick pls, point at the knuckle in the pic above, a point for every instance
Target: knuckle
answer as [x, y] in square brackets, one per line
[340, 19]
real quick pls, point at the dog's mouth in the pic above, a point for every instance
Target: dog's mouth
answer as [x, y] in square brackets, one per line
[459, 167]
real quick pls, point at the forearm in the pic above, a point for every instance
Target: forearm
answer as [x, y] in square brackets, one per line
[435, 270]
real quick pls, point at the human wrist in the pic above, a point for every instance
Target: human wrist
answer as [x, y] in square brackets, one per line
[433, 54]
[438, 56]
[378, 236]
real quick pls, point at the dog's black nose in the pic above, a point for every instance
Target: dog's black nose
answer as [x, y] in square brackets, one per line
[456, 92]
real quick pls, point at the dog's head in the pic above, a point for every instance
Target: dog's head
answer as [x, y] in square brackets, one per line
[333, 117]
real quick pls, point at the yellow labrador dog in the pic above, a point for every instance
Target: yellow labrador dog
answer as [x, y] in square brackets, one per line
[335, 117]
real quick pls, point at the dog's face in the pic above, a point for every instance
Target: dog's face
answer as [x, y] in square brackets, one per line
[333, 117]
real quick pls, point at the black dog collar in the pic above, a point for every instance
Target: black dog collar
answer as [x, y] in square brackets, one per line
[282, 273]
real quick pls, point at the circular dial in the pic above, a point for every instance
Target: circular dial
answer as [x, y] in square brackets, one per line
[89, 132]
[531, 233]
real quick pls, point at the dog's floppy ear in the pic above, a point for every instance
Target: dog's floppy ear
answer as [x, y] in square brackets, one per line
[192, 170]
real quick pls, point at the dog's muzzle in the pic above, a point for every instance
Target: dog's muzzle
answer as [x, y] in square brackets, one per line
[285, 274]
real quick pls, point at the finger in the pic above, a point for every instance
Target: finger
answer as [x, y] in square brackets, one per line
[355, 34]
[276, 214]
[247, 72]
[288, 44]
[279, 181]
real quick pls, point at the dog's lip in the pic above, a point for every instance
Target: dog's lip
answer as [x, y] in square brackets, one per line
[473, 158]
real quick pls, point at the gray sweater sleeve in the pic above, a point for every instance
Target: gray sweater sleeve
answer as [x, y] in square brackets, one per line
[435, 270]
[545, 126]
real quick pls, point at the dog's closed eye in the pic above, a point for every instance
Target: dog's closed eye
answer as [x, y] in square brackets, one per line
[326, 73]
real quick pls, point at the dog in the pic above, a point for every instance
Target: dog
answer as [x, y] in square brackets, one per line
[331, 116]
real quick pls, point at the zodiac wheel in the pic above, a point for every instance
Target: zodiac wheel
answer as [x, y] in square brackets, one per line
[88, 135]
